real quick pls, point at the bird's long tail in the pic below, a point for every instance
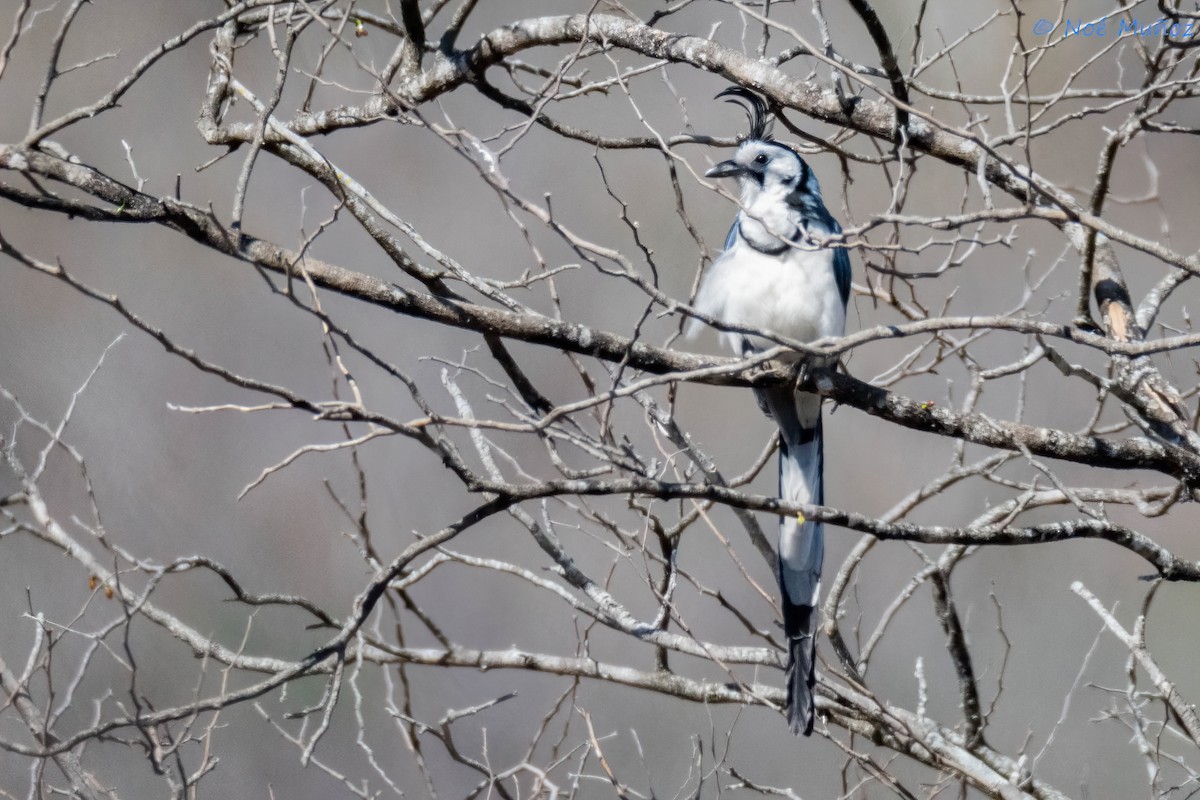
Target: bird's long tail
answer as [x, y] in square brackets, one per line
[801, 542]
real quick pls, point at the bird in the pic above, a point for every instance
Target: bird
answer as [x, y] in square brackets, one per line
[776, 276]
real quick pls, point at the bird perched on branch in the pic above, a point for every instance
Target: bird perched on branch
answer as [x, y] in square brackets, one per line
[775, 275]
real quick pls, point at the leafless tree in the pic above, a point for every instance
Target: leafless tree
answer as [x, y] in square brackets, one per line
[351, 447]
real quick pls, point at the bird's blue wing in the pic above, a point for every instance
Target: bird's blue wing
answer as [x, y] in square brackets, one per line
[841, 256]
[841, 271]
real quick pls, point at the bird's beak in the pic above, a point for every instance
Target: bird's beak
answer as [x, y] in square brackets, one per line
[726, 169]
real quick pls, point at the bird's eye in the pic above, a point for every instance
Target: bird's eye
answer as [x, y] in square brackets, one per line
[761, 158]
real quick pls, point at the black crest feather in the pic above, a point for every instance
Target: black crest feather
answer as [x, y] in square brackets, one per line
[755, 108]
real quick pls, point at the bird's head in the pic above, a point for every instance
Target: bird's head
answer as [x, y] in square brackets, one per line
[762, 164]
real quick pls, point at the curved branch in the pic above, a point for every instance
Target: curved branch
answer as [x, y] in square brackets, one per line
[202, 227]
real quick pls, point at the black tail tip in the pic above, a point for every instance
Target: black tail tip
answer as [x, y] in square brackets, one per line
[801, 718]
[801, 681]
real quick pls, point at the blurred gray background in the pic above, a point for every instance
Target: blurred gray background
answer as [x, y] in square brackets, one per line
[167, 481]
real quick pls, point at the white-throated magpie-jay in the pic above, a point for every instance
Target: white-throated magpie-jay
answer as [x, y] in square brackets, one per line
[775, 276]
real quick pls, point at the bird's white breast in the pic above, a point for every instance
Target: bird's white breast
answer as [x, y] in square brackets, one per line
[793, 294]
